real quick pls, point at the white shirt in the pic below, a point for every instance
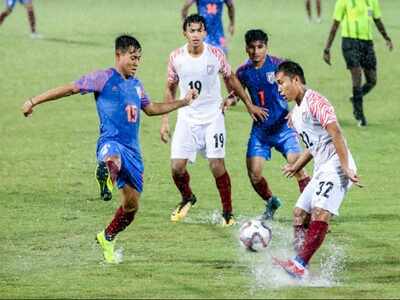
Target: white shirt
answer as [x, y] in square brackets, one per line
[310, 119]
[201, 73]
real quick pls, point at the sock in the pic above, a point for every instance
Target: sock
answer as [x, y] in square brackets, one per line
[32, 20]
[3, 15]
[299, 234]
[314, 237]
[357, 102]
[182, 183]
[262, 189]
[121, 220]
[224, 188]
[303, 183]
[113, 169]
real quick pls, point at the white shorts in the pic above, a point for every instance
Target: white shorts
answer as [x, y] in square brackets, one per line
[326, 189]
[208, 139]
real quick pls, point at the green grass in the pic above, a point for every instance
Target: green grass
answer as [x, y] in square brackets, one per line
[49, 199]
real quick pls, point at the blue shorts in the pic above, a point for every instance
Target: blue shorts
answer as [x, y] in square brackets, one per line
[132, 168]
[284, 139]
[11, 3]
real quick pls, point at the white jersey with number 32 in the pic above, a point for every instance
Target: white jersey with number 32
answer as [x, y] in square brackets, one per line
[310, 119]
[200, 73]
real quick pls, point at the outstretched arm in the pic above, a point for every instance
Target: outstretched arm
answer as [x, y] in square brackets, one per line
[185, 8]
[382, 30]
[231, 14]
[233, 84]
[154, 109]
[332, 34]
[53, 94]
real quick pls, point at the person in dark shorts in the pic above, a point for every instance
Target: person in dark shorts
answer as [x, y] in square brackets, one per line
[356, 17]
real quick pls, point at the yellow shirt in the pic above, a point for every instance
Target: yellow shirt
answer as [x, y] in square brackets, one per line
[356, 17]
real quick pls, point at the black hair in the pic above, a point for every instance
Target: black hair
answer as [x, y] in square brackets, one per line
[124, 42]
[253, 35]
[291, 69]
[194, 18]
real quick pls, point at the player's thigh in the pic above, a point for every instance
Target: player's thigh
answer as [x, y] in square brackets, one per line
[215, 135]
[257, 145]
[329, 192]
[286, 142]
[368, 57]
[183, 145]
[351, 52]
[304, 202]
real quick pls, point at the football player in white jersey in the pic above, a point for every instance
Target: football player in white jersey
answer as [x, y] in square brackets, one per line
[314, 119]
[201, 127]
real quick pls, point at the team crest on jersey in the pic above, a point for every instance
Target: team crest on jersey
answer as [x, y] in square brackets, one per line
[114, 88]
[210, 69]
[270, 77]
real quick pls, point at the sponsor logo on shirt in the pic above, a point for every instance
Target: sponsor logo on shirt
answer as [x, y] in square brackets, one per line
[210, 69]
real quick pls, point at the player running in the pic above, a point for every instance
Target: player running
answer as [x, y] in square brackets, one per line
[29, 9]
[257, 75]
[212, 11]
[314, 119]
[200, 127]
[119, 98]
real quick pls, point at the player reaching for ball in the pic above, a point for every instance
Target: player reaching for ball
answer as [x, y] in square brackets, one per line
[119, 96]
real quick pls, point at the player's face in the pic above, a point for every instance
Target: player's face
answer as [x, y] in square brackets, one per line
[257, 51]
[128, 62]
[195, 34]
[287, 86]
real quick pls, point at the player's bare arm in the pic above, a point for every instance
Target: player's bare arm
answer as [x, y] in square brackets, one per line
[341, 150]
[231, 14]
[332, 34]
[185, 8]
[169, 96]
[50, 95]
[382, 30]
[154, 109]
[256, 113]
[289, 170]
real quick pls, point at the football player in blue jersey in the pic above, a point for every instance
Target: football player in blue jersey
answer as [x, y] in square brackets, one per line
[257, 75]
[29, 9]
[119, 97]
[212, 11]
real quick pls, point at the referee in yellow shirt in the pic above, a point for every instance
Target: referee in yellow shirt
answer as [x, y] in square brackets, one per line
[355, 18]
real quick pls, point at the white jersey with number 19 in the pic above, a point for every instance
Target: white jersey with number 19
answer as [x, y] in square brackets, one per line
[200, 73]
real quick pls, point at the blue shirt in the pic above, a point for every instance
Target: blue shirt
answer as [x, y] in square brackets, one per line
[263, 90]
[115, 98]
[212, 11]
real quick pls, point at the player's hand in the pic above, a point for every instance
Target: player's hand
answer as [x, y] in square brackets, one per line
[231, 29]
[27, 108]
[389, 44]
[289, 119]
[191, 95]
[327, 56]
[257, 113]
[229, 101]
[353, 177]
[289, 170]
[165, 134]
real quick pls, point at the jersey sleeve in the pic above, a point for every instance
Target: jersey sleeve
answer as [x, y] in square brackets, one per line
[93, 82]
[322, 110]
[144, 98]
[224, 67]
[240, 74]
[339, 11]
[376, 10]
[172, 74]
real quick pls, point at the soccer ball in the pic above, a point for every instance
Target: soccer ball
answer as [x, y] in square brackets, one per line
[255, 235]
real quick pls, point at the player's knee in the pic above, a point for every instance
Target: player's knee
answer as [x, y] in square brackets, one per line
[320, 214]
[130, 205]
[217, 166]
[254, 176]
[299, 217]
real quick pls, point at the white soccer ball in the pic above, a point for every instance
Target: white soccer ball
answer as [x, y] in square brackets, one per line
[255, 235]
